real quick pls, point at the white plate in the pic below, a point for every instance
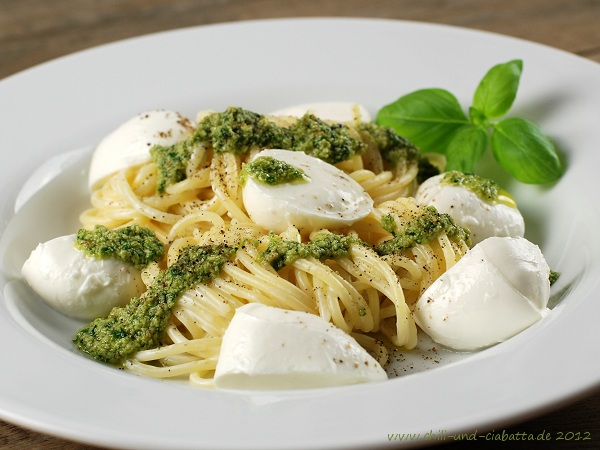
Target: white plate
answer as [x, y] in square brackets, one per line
[71, 103]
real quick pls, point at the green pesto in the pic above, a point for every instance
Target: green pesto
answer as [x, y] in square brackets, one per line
[426, 169]
[271, 171]
[486, 189]
[395, 149]
[133, 245]
[171, 162]
[280, 252]
[239, 131]
[140, 324]
[333, 143]
[388, 223]
[421, 230]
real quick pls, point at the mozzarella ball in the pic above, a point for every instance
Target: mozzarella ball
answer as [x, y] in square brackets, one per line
[77, 285]
[329, 199]
[339, 112]
[271, 348]
[468, 210]
[130, 144]
[499, 288]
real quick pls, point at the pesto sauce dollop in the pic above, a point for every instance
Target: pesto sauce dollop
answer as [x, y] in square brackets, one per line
[280, 252]
[396, 149]
[487, 190]
[135, 245]
[421, 230]
[239, 131]
[140, 324]
[553, 277]
[271, 171]
[171, 162]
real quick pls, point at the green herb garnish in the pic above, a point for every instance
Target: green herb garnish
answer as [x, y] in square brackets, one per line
[434, 120]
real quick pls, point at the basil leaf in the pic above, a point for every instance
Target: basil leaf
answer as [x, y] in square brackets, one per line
[478, 118]
[468, 144]
[525, 152]
[426, 117]
[497, 90]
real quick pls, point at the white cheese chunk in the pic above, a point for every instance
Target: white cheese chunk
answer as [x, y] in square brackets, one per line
[468, 210]
[272, 348]
[339, 112]
[130, 144]
[77, 285]
[330, 199]
[499, 288]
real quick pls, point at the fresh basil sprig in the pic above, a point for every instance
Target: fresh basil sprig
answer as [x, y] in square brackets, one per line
[434, 120]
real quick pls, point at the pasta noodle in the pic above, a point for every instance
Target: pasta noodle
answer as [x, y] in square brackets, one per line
[365, 294]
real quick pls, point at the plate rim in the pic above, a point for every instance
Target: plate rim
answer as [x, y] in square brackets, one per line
[556, 401]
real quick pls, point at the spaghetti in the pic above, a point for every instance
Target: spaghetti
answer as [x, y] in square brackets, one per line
[366, 293]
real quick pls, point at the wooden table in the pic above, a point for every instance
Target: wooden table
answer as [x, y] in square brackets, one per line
[34, 31]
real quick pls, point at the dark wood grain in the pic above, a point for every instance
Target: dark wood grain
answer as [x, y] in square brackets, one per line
[35, 31]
